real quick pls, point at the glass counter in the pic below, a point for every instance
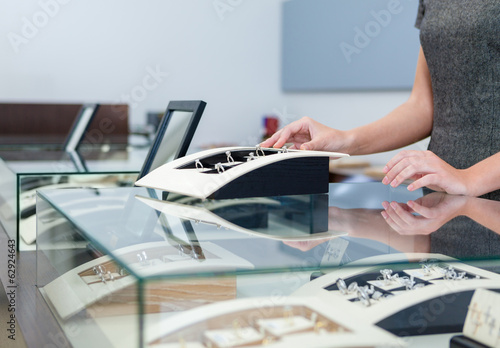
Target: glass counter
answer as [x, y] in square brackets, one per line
[133, 267]
[24, 171]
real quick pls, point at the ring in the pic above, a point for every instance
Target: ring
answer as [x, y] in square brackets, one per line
[285, 149]
[363, 297]
[352, 287]
[257, 149]
[198, 165]
[230, 158]
[342, 286]
[250, 157]
[220, 168]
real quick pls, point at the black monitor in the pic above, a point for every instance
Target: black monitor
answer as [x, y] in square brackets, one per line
[174, 133]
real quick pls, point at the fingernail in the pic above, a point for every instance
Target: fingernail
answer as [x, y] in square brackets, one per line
[385, 181]
[384, 214]
[393, 205]
[385, 205]
[386, 169]
[410, 187]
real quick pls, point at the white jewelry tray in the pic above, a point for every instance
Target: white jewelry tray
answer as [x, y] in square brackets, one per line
[74, 290]
[233, 172]
[438, 292]
[271, 322]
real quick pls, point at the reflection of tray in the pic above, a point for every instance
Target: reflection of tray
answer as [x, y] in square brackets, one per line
[274, 225]
[101, 282]
[267, 322]
[236, 172]
[436, 303]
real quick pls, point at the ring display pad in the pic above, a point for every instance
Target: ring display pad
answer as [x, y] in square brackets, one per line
[265, 322]
[293, 218]
[113, 289]
[429, 295]
[236, 172]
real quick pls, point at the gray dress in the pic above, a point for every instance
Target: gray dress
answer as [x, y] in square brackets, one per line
[461, 43]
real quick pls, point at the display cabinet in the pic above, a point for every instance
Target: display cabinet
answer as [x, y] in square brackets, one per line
[34, 169]
[135, 267]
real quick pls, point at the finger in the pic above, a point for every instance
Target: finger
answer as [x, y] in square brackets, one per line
[429, 180]
[395, 165]
[391, 213]
[271, 140]
[288, 133]
[404, 215]
[408, 168]
[422, 210]
[392, 224]
[399, 156]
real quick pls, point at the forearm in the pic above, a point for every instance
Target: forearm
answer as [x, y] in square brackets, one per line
[484, 212]
[484, 176]
[405, 125]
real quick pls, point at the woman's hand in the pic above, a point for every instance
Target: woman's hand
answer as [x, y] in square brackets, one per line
[427, 170]
[307, 134]
[434, 210]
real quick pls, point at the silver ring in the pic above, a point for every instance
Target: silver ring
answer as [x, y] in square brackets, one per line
[352, 287]
[198, 165]
[251, 157]
[364, 297]
[230, 158]
[220, 168]
[342, 286]
[285, 149]
[257, 149]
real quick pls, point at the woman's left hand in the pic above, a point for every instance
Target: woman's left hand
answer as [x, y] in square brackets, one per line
[426, 169]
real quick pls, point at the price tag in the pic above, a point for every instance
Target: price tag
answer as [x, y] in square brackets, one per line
[482, 323]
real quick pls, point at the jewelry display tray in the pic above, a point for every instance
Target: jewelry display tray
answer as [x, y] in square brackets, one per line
[267, 322]
[437, 303]
[104, 280]
[238, 172]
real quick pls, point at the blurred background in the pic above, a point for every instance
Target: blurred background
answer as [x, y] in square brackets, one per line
[237, 55]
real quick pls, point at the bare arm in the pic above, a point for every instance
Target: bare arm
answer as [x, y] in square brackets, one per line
[408, 123]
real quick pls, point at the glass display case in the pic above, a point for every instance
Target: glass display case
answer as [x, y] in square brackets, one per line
[135, 267]
[29, 170]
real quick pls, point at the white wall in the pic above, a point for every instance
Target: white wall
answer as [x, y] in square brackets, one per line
[73, 51]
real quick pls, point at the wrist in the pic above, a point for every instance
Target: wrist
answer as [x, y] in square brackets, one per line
[350, 143]
[470, 182]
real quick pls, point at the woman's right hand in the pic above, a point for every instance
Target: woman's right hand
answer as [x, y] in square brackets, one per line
[308, 134]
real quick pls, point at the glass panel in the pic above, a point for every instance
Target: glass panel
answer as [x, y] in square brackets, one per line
[152, 258]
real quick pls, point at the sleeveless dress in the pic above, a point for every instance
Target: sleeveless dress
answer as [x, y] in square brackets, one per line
[461, 43]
